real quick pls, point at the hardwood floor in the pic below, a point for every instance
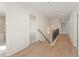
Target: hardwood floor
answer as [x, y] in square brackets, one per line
[63, 47]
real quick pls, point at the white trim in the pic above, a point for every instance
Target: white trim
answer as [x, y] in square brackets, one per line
[78, 51]
[52, 44]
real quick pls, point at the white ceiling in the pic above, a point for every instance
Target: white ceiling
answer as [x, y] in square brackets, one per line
[53, 10]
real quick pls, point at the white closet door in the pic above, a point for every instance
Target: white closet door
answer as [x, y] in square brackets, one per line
[63, 28]
[32, 29]
[75, 29]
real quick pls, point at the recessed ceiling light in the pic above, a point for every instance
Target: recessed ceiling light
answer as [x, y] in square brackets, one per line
[50, 2]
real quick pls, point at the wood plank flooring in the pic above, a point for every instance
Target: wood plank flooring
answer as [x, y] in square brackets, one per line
[63, 47]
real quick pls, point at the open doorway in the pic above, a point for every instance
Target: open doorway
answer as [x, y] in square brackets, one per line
[2, 36]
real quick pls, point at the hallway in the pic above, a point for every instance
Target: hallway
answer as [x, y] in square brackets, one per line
[63, 47]
[24, 20]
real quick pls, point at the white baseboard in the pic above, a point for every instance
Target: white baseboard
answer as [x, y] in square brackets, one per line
[78, 52]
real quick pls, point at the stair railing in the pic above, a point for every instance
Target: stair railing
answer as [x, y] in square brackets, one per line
[44, 35]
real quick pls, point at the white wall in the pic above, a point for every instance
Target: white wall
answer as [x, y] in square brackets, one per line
[42, 24]
[78, 30]
[72, 22]
[17, 31]
[73, 28]
[55, 24]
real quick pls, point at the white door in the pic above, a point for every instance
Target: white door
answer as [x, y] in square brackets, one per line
[32, 29]
[63, 27]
